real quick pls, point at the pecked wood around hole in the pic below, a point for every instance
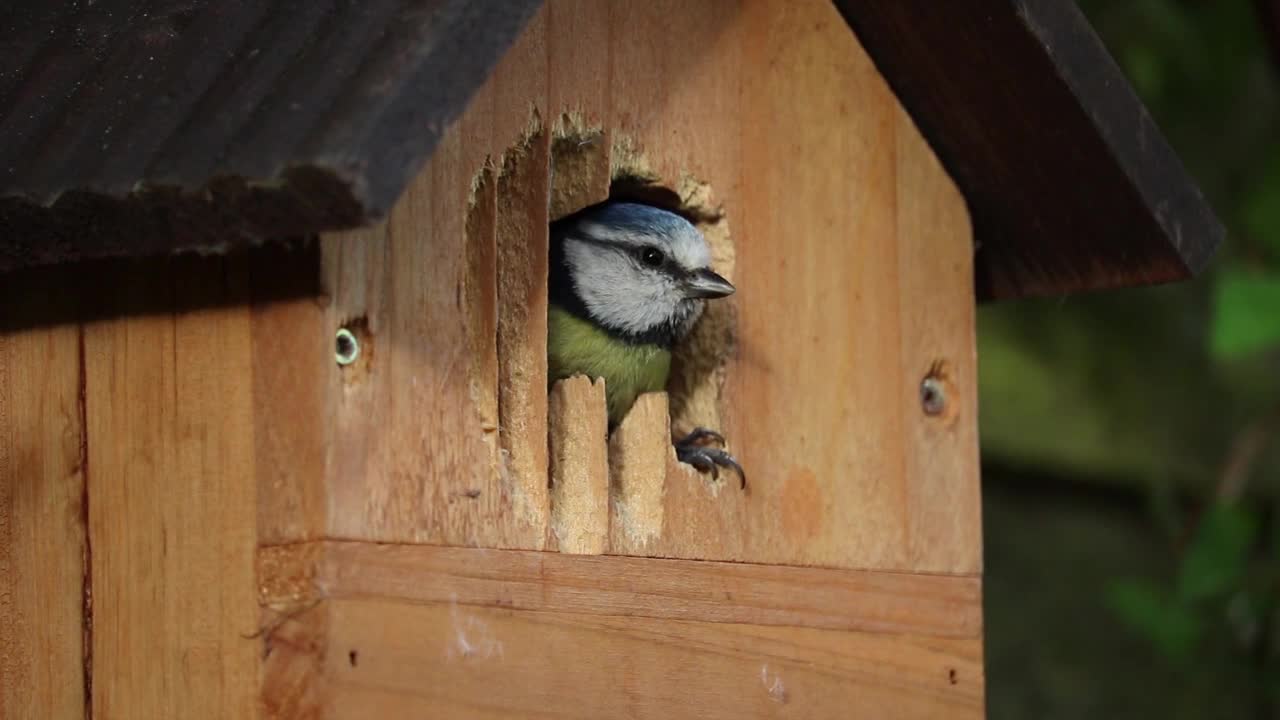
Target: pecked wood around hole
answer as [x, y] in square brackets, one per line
[577, 425]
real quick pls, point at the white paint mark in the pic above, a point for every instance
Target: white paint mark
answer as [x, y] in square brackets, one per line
[472, 638]
[504, 466]
[772, 683]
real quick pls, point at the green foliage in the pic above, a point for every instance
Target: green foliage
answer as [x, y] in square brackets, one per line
[1260, 206]
[1149, 610]
[1156, 388]
[1246, 313]
[1214, 590]
[1215, 562]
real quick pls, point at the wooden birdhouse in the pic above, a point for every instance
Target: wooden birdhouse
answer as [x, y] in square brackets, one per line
[276, 433]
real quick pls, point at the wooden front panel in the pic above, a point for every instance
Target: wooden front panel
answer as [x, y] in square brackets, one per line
[850, 247]
[854, 586]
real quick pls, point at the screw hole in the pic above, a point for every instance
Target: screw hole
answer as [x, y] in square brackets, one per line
[933, 397]
[933, 390]
[345, 347]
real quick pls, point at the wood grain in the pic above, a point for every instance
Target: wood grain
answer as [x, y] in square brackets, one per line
[850, 248]
[294, 643]
[43, 579]
[412, 430]
[291, 360]
[277, 120]
[523, 188]
[936, 605]
[167, 402]
[639, 453]
[578, 423]
[413, 455]
[943, 500]
[403, 630]
[449, 660]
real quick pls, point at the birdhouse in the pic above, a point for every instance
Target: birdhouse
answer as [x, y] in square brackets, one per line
[278, 437]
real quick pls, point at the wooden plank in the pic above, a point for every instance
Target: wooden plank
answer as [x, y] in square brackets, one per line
[406, 630]
[578, 424]
[444, 659]
[292, 354]
[480, 284]
[520, 134]
[578, 90]
[983, 80]
[943, 502]
[293, 633]
[173, 497]
[413, 431]
[640, 452]
[412, 455]
[402, 467]
[294, 642]
[813, 313]
[936, 605]
[44, 586]
[522, 324]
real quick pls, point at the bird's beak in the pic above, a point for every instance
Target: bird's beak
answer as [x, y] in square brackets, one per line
[706, 284]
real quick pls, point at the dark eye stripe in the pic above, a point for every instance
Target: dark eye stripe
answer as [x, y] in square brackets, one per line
[668, 267]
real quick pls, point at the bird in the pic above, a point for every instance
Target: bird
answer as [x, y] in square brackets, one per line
[627, 281]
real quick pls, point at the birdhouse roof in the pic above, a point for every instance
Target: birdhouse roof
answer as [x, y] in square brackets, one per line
[132, 128]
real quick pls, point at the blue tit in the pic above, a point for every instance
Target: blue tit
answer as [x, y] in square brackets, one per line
[628, 282]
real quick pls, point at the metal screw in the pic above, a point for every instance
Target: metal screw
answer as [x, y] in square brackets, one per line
[346, 347]
[933, 396]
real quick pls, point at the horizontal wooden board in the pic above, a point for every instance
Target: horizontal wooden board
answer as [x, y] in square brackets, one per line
[391, 658]
[403, 631]
[936, 605]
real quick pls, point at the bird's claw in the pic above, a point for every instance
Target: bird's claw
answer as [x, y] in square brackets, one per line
[691, 450]
[698, 435]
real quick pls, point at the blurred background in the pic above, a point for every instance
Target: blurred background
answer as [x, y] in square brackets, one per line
[1131, 439]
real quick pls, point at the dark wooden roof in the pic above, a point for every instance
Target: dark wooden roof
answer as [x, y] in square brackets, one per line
[1070, 184]
[130, 127]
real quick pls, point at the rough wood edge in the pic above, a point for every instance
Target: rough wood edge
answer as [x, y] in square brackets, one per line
[581, 157]
[578, 425]
[294, 646]
[639, 453]
[522, 227]
[481, 288]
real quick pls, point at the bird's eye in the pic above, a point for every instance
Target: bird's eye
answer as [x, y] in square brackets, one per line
[652, 256]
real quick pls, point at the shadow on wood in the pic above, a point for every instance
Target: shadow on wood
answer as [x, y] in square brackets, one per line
[47, 296]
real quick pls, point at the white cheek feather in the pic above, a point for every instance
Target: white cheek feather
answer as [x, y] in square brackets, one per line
[620, 294]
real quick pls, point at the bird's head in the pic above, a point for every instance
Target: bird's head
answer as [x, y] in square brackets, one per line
[637, 270]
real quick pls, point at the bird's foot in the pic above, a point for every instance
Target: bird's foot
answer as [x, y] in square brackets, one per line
[694, 450]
